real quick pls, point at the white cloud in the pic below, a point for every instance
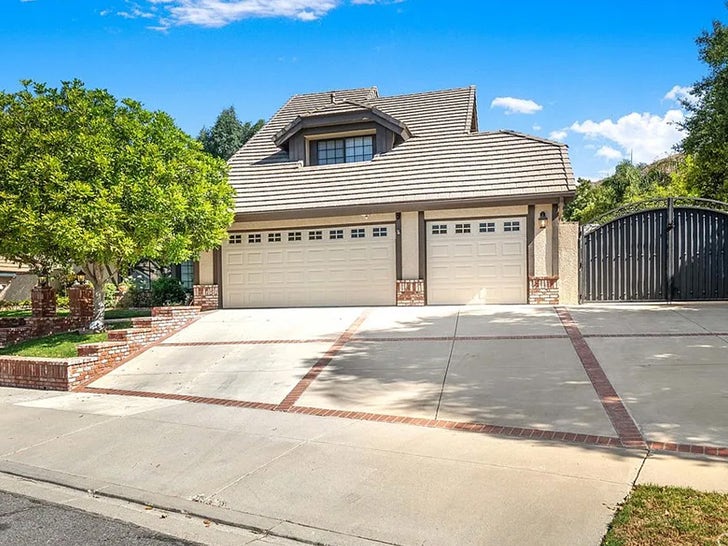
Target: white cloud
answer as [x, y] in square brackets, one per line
[561, 134]
[609, 153]
[219, 13]
[680, 92]
[645, 136]
[516, 106]
[537, 127]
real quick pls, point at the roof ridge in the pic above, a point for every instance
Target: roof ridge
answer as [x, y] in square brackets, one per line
[370, 89]
[432, 92]
[526, 135]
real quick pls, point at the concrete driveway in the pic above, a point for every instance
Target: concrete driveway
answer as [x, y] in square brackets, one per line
[441, 425]
[518, 367]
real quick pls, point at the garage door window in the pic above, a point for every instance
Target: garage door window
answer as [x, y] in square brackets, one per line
[235, 239]
[462, 228]
[487, 227]
[512, 226]
[274, 237]
[254, 238]
[379, 232]
[294, 236]
[315, 235]
[439, 229]
[336, 234]
[358, 233]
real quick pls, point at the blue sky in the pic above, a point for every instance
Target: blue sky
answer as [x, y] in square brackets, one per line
[600, 76]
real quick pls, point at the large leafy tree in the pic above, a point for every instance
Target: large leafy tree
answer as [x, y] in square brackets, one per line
[228, 134]
[707, 120]
[96, 183]
[669, 177]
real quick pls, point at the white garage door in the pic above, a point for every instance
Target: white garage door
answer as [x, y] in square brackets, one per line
[476, 261]
[339, 265]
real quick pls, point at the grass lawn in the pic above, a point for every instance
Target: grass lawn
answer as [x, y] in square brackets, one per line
[110, 314]
[670, 516]
[127, 313]
[59, 345]
[26, 313]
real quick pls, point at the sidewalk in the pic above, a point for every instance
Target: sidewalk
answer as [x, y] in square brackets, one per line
[317, 479]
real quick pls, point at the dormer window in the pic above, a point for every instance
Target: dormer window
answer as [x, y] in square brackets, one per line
[344, 150]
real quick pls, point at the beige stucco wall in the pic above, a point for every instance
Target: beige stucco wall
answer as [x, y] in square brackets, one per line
[314, 222]
[479, 212]
[410, 246]
[206, 274]
[569, 263]
[543, 244]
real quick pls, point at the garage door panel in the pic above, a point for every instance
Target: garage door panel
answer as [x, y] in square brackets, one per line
[274, 257]
[440, 251]
[488, 249]
[476, 267]
[235, 258]
[294, 256]
[512, 249]
[311, 271]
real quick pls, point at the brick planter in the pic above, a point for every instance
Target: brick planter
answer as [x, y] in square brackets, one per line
[543, 290]
[411, 292]
[43, 302]
[206, 296]
[94, 359]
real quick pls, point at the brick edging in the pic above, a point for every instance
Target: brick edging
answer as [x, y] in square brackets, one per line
[626, 428]
[461, 426]
[305, 382]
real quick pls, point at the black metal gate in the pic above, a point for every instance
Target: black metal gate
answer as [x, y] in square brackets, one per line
[672, 249]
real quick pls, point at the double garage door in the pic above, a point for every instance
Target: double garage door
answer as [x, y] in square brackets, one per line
[468, 261]
[323, 266]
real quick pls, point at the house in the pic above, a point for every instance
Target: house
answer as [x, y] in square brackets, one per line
[352, 198]
[8, 271]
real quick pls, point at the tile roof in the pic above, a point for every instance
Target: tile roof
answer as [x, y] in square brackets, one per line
[443, 159]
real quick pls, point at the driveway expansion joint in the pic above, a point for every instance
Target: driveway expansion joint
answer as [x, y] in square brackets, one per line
[305, 382]
[629, 433]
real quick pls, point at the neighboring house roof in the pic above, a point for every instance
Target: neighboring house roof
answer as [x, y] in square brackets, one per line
[11, 267]
[445, 158]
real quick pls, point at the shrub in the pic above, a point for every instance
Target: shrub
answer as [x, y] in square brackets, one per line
[168, 291]
[62, 302]
[134, 294]
[111, 296]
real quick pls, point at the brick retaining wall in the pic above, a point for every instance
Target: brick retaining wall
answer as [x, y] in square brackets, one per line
[94, 359]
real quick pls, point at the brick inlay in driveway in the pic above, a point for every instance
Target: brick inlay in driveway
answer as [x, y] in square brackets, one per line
[624, 425]
[314, 372]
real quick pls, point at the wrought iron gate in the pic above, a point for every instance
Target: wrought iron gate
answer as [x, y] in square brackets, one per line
[672, 249]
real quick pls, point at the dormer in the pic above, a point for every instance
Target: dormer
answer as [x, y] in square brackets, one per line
[341, 132]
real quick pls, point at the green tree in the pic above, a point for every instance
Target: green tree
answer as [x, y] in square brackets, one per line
[100, 184]
[228, 134]
[594, 199]
[707, 120]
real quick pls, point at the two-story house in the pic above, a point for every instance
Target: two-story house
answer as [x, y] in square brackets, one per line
[352, 198]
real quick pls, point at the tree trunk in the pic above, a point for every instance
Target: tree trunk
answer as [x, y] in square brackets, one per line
[97, 323]
[98, 275]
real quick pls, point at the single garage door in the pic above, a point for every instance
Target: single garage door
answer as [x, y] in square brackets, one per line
[476, 261]
[339, 265]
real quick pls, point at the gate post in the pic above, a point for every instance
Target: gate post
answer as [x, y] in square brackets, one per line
[670, 254]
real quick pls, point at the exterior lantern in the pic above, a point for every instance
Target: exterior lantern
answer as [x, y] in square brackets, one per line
[542, 220]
